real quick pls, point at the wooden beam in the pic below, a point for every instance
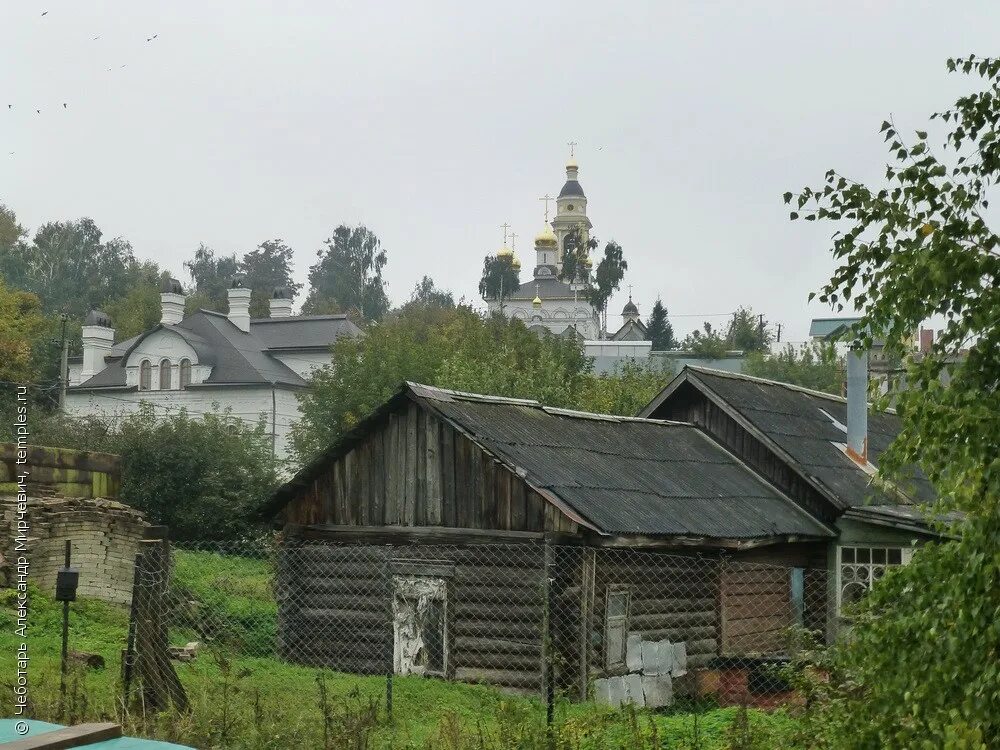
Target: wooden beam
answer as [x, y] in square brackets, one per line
[78, 736]
[426, 534]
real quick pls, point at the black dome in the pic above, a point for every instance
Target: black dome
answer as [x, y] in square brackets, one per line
[571, 189]
[630, 308]
[97, 318]
[172, 286]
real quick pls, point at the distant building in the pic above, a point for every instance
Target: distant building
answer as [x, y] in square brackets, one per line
[197, 362]
[546, 302]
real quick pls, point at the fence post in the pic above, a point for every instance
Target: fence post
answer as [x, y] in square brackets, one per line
[548, 679]
[159, 682]
[390, 666]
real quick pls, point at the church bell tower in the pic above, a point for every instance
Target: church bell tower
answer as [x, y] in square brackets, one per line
[571, 207]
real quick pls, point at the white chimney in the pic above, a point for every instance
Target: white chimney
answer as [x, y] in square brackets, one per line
[857, 406]
[171, 303]
[281, 303]
[239, 305]
[98, 338]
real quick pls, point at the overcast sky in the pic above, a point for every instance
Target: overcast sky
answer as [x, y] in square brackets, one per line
[434, 123]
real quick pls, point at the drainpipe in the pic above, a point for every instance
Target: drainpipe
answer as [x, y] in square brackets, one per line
[857, 406]
[274, 421]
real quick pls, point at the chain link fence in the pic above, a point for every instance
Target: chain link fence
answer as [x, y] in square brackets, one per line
[611, 625]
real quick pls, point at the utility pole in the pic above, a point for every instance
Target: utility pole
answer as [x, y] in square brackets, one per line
[63, 363]
[779, 333]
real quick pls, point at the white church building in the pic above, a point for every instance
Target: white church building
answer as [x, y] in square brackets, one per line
[206, 361]
[546, 302]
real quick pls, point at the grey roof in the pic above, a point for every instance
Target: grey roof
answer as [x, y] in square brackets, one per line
[548, 288]
[236, 357]
[572, 188]
[619, 475]
[804, 425]
[827, 327]
[303, 331]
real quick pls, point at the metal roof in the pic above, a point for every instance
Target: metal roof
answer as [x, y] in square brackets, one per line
[236, 357]
[302, 331]
[808, 426]
[826, 327]
[623, 475]
[572, 188]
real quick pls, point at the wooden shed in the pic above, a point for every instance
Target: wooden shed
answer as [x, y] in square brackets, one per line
[479, 538]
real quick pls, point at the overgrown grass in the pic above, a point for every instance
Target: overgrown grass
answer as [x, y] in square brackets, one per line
[259, 703]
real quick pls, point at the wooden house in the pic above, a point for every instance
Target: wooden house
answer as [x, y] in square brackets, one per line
[795, 439]
[491, 539]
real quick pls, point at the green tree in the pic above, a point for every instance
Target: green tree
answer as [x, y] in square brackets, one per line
[706, 343]
[11, 233]
[658, 328]
[748, 332]
[69, 266]
[139, 308]
[21, 324]
[625, 390]
[426, 295]
[204, 476]
[348, 274]
[453, 348]
[499, 280]
[817, 367]
[922, 668]
[266, 267]
[603, 281]
[212, 276]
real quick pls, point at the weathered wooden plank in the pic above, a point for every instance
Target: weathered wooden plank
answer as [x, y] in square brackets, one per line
[467, 643]
[474, 457]
[500, 609]
[376, 478]
[433, 514]
[518, 503]
[463, 491]
[449, 515]
[420, 504]
[67, 737]
[390, 511]
[410, 477]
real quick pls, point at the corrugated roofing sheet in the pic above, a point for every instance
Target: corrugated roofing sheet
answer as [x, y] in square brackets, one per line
[631, 476]
[806, 425]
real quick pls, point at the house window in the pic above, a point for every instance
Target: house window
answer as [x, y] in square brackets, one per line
[185, 373]
[164, 374]
[145, 375]
[616, 614]
[858, 568]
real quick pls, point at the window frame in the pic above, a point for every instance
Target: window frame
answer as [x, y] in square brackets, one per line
[166, 368]
[615, 621]
[905, 555]
[184, 374]
[145, 375]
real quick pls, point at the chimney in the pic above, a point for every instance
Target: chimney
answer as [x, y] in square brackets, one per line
[281, 302]
[239, 304]
[926, 340]
[98, 338]
[171, 302]
[857, 406]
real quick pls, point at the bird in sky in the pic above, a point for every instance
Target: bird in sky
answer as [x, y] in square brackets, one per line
[151, 38]
[64, 105]
[45, 12]
[38, 111]
[96, 37]
[10, 106]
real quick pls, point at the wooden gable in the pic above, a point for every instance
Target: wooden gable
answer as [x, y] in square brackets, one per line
[413, 469]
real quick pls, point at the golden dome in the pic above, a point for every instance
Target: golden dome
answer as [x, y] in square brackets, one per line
[536, 302]
[504, 252]
[546, 236]
[587, 262]
[516, 264]
[571, 164]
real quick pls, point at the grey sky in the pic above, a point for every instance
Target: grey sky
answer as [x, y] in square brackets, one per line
[433, 123]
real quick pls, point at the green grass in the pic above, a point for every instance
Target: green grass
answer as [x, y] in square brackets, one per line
[260, 703]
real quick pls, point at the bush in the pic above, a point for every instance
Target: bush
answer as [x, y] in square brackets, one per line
[204, 477]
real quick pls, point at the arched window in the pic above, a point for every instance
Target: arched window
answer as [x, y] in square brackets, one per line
[185, 373]
[145, 375]
[165, 374]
